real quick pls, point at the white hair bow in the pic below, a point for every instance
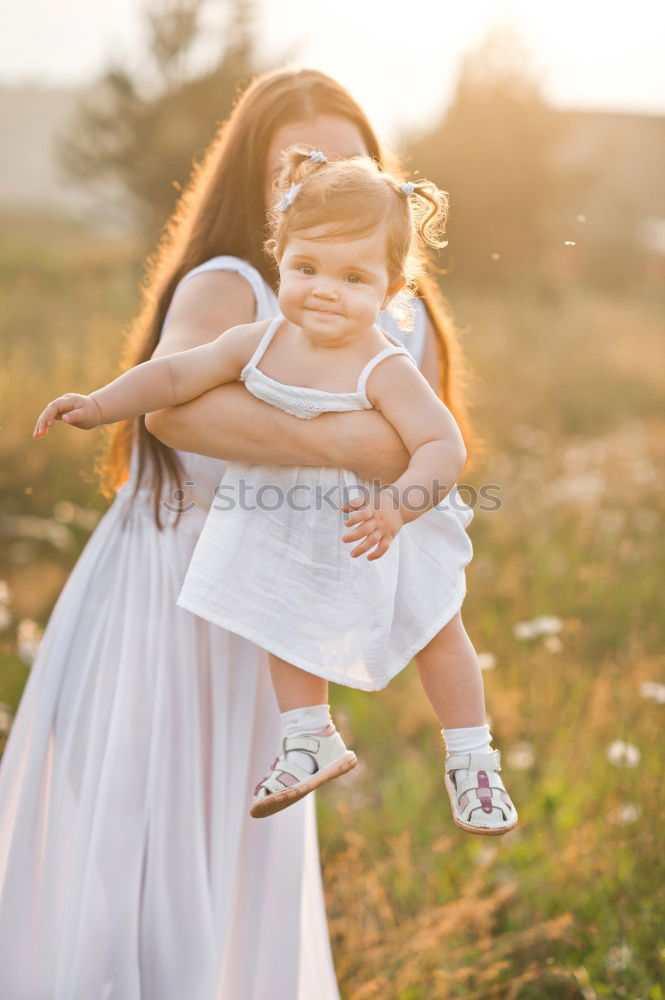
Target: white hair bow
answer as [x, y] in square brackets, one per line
[408, 188]
[318, 157]
[288, 197]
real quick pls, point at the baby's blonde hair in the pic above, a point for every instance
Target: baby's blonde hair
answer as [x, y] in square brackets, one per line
[352, 197]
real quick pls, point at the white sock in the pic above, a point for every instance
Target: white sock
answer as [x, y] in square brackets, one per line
[304, 721]
[469, 739]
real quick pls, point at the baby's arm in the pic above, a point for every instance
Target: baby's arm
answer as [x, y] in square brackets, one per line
[160, 382]
[398, 389]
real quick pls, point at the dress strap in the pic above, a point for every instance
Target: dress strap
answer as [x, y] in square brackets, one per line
[414, 339]
[263, 343]
[373, 362]
[419, 334]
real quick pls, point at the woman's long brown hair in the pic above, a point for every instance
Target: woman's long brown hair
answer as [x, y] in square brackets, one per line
[207, 222]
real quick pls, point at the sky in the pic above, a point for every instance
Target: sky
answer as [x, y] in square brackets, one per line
[399, 60]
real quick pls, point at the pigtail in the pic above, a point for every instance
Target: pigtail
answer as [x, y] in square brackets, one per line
[298, 163]
[430, 213]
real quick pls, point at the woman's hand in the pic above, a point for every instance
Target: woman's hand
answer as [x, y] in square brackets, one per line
[79, 411]
[378, 522]
[364, 441]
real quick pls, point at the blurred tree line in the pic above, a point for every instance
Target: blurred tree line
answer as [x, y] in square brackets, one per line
[519, 192]
[537, 191]
[144, 127]
[495, 152]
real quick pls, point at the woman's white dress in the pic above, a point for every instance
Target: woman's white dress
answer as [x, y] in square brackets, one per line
[270, 563]
[129, 866]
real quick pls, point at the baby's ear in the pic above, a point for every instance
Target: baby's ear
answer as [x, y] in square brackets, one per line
[271, 249]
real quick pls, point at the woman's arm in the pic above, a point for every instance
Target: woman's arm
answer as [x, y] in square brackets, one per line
[229, 423]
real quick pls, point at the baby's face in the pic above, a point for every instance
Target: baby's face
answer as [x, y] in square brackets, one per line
[334, 289]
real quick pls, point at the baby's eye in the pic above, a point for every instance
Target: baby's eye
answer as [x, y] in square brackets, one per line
[306, 269]
[354, 278]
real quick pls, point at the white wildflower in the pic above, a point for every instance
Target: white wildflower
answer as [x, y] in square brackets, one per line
[487, 661]
[628, 812]
[29, 637]
[542, 625]
[553, 644]
[5, 600]
[618, 957]
[653, 691]
[623, 754]
[6, 718]
[524, 630]
[548, 624]
[521, 756]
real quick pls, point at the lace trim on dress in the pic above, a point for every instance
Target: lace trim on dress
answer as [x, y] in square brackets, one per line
[303, 401]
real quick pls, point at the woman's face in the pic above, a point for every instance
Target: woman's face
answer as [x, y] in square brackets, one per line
[330, 133]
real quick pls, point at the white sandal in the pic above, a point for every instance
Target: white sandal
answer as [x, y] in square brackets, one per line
[286, 782]
[480, 803]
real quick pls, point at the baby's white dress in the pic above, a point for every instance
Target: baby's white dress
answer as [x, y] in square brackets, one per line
[270, 564]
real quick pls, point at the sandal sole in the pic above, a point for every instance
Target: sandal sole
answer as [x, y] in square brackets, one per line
[280, 800]
[487, 831]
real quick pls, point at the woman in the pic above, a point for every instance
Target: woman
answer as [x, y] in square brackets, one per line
[129, 866]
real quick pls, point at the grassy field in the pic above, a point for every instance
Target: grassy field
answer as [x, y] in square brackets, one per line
[562, 603]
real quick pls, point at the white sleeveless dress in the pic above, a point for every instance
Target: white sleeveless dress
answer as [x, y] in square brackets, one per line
[270, 564]
[129, 866]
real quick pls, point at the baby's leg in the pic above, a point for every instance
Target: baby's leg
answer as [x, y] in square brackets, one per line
[451, 676]
[453, 682]
[302, 700]
[314, 752]
[295, 688]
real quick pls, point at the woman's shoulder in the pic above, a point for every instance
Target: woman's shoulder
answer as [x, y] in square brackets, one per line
[212, 298]
[227, 277]
[209, 299]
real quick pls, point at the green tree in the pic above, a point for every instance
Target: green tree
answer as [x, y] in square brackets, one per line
[141, 130]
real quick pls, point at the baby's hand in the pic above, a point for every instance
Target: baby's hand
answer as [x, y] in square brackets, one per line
[378, 522]
[79, 411]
